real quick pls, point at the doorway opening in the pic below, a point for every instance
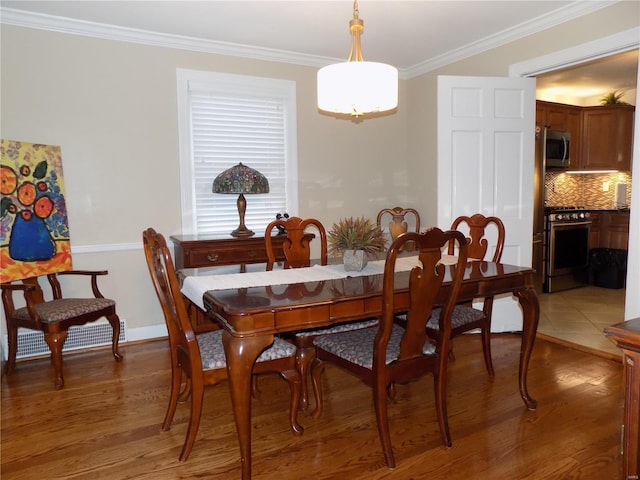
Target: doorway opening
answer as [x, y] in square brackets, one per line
[623, 45]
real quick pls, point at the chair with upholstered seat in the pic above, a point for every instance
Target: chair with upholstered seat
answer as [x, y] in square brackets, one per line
[200, 359]
[297, 252]
[55, 317]
[399, 222]
[388, 354]
[465, 317]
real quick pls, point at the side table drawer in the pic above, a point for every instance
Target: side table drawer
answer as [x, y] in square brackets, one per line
[208, 257]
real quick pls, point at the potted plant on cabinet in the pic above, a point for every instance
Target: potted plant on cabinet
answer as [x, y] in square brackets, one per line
[355, 239]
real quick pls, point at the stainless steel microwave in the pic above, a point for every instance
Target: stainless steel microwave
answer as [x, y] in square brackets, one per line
[557, 149]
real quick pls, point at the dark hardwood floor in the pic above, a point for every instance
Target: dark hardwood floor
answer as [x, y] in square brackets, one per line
[105, 424]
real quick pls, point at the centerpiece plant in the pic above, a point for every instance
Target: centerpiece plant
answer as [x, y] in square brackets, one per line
[356, 239]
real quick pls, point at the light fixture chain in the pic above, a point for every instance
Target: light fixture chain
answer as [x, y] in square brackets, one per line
[356, 27]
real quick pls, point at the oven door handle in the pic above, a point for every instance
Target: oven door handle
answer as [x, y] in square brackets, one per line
[570, 224]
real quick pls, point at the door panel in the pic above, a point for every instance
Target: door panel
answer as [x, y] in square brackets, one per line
[486, 133]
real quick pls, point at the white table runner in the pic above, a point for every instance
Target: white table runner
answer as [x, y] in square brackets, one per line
[194, 287]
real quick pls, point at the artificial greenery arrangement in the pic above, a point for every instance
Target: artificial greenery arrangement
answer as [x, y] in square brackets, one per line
[613, 98]
[355, 234]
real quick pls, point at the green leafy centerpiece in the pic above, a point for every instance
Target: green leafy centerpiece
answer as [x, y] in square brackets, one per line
[355, 239]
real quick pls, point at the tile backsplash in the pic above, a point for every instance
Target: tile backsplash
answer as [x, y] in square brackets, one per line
[596, 191]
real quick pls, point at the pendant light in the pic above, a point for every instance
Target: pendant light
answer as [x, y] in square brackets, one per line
[356, 87]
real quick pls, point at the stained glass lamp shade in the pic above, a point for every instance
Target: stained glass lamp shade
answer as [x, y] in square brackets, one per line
[241, 179]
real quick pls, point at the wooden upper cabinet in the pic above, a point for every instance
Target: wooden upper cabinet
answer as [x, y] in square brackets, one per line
[568, 118]
[607, 135]
[601, 137]
[558, 116]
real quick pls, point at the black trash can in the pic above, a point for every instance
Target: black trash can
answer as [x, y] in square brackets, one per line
[607, 267]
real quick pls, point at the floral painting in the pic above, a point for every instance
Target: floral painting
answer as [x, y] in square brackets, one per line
[34, 231]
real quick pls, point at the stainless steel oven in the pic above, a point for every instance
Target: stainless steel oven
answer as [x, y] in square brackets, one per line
[566, 250]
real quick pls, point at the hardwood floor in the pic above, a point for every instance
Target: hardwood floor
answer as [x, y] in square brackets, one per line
[105, 424]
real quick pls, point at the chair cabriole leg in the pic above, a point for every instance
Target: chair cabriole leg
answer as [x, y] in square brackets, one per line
[56, 341]
[12, 334]
[295, 384]
[114, 320]
[304, 357]
[317, 368]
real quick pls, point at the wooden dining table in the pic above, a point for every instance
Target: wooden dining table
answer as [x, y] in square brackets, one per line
[252, 316]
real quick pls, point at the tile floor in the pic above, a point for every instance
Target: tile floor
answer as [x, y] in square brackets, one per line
[578, 316]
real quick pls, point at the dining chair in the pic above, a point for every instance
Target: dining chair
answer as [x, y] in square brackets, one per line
[201, 358]
[465, 317]
[398, 222]
[297, 254]
[388, 353]
[55, 317]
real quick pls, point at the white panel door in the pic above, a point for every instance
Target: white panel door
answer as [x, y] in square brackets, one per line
[486, 131]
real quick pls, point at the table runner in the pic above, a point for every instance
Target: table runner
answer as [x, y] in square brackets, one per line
[194, 287]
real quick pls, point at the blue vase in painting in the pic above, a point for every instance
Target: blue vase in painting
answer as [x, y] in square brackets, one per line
[30, 240]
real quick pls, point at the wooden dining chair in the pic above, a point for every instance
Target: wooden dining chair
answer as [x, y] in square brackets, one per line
[297, 254]
[465, 317]
[55, 317]
[388, 353]
[200, 359]
[398, 222]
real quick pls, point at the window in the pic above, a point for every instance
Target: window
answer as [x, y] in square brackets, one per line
[226, 119]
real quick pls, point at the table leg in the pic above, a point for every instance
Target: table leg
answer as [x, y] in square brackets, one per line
[528, 299]
[241, 354]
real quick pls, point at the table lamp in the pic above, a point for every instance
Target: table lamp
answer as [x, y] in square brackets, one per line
[241, 179]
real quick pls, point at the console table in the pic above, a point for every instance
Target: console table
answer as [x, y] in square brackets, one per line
[627, 336]
[197, 251]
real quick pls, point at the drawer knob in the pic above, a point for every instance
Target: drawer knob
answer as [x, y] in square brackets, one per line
[252, 253]
[212, 257]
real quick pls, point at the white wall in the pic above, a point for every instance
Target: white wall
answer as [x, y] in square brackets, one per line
[111, 106]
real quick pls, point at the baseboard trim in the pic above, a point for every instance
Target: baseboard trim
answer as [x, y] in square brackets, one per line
[581, 348]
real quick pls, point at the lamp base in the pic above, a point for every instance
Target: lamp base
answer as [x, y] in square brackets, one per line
[242, 231]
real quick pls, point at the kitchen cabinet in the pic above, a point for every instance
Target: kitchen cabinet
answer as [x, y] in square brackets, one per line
[601, 136]
[607, 135]
[594, 232]
[559, 116]
[609, 230]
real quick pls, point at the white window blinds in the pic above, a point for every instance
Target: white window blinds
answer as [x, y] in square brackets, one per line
[234, 119]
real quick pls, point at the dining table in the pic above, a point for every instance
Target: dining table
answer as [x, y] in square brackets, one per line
[255, 305]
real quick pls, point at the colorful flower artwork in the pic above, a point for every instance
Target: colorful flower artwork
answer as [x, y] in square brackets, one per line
[34, 231]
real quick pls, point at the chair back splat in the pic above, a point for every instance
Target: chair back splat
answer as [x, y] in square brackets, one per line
[199, 359]
[478, 226]
[398, 222]
[296, 247]
[390, 353]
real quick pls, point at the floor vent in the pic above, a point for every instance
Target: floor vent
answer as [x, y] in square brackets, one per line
[31, 343]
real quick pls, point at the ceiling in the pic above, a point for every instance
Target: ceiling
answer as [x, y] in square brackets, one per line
[414, 36]
[586, 84]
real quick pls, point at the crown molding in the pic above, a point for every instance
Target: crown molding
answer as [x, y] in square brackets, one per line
[23, 18]
[564, 14]
[52, 23]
